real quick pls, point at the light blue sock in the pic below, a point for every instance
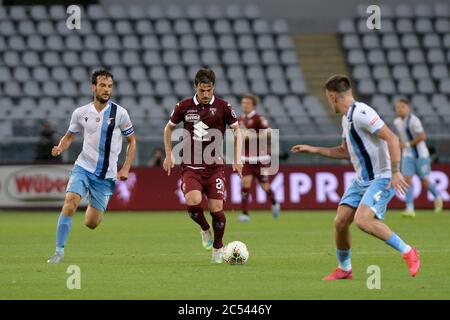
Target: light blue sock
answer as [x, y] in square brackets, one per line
[410, 198]
[62, 231]
[432, 189]
[345, 259]
[398, 244]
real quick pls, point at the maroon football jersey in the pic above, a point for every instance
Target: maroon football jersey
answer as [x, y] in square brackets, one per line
[205, 124]
[257, 122]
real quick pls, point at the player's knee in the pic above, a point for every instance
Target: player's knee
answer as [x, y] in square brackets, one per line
[91, 224]
[193, 199]
[70, 206]
[362, 222]
[342, 222]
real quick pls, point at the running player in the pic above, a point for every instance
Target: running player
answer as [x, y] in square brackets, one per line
[103, 123]
[253, 125]
[415, 155]
[204, 118]
[375, 154]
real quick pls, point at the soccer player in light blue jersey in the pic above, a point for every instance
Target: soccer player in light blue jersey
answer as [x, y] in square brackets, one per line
[375, 154]
[103, 124]
[415, 155]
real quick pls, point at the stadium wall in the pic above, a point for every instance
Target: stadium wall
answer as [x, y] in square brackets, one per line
[296, 187]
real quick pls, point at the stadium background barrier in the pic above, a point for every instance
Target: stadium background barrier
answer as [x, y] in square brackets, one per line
[296, 187]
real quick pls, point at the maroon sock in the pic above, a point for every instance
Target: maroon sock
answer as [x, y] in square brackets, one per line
[271, 196]
[219, 222]
[196, 214]
[245, 192]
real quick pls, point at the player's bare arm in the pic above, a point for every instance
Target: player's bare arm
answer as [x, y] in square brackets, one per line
[339, 152]
[169, 161]
[420, 137]
[63, 144]
[131, 153]
[398, 181]
[237, 162]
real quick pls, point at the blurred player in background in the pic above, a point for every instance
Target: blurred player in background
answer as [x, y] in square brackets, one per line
[103, 124]
[375, 154]
[204, 118]
[415, 155]
[253, 125]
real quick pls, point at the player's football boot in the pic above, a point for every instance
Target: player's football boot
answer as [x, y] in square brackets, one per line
[413, 261]
[438, 205]
[217, 255]
[207, 241]
[56, 258]
[276, 210]
[339, 274]
[408, 214]
[244, 218]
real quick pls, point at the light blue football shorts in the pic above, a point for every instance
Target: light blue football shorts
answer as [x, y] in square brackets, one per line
[419, 166]
[83, 182]
[375, 195]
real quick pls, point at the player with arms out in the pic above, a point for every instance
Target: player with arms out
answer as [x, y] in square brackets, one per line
[103, 123]
[204, 118]
[375, 154]
[253, 125]
[415, 155]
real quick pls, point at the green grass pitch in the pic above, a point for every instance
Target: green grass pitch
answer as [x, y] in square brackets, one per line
[159, 256]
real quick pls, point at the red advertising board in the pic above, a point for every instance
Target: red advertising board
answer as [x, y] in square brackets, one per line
[296, 187]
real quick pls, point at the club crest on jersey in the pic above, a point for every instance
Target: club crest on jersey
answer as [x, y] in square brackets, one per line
[212, 111]
[192, 117]
[97, 119]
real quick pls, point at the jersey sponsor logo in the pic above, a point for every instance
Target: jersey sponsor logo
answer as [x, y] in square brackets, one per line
[374, 120]
[86, 119]
[200, 131]
[192, 117]
[109, 121]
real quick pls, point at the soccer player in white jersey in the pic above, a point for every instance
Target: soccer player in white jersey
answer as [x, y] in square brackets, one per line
[375, 154]
[415, 155]
[103, 124]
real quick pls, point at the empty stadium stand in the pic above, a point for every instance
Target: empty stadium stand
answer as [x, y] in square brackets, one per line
[409, 56]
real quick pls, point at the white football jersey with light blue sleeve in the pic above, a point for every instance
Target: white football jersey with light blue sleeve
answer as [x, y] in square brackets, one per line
[369, 154]
[102, 137]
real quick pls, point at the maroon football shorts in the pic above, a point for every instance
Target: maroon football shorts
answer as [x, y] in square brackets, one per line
[256, 170]
[210, 182]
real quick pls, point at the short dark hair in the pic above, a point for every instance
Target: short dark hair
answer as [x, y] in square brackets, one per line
[402, 100]
[100, 73]
[251, 96]
[205, 75]
[338, 83]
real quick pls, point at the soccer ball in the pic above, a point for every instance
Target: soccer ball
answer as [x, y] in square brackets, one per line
[235, 252]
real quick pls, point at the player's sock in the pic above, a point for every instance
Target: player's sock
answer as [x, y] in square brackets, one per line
[219, 222]
[409, 199]
[398, 244]
[245, 192]
[196, 214]
[345, 259]
[432, 189]
[271, 196]
[62, 231]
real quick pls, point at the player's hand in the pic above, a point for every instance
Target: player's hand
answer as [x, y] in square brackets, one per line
[303, 148]
[56, 151]
[237, 167]
[399, 183]
[168, 164]
[123, 174]
[401, 145]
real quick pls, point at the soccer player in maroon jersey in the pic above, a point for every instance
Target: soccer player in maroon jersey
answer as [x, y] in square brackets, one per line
[253, 125]
[204, 118]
